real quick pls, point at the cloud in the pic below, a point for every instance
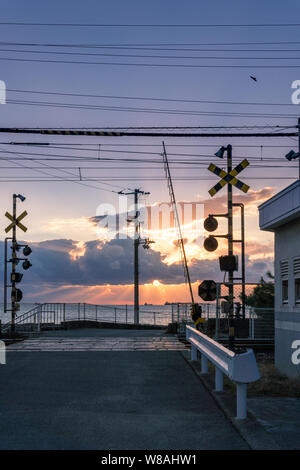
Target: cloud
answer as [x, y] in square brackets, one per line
[252, 199]
[58, 263]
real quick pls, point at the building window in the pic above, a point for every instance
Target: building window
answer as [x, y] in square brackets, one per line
[297, 291]
[285, 291]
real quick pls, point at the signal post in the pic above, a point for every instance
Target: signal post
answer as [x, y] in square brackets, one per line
[228, 263]
[15, 277]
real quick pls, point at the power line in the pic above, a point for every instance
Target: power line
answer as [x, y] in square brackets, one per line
[159, 45]
[138, 152]
[59, 157]
[246, 126]
[49, 174]
[150, 110]
[140, 178]
[143, 98]
[76, 144]
[148, 133]
[143, 25]
[130, 64]
[143, 56]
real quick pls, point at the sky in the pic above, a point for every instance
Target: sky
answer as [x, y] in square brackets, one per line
[77, 259]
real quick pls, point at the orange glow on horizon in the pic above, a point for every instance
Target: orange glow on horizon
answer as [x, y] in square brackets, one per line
[151, 293]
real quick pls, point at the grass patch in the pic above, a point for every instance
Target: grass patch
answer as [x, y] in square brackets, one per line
[271, 384]
[274, 384]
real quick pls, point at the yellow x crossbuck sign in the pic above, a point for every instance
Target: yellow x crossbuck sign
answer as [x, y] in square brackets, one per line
[228, 178]
[16, 221]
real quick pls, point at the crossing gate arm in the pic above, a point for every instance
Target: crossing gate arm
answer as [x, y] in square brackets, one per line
[240, 368]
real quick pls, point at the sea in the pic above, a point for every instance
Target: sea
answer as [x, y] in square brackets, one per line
[148, 314]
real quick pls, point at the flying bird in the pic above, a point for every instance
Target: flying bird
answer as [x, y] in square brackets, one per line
[253, 78]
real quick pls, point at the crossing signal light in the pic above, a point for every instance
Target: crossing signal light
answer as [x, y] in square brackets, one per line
[27, 251]
[211, 243]
[26, 264]
[196, 314]
[210, 224]
[16, 277]
[16, 295]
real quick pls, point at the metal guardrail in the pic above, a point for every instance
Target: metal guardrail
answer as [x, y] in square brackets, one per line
[2, 353]
[240, 368]
[56, 314]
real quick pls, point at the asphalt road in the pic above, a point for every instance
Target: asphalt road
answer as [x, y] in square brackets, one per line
[108, 400]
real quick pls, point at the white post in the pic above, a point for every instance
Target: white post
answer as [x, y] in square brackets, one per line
[241, 400]
[2, 353]
[204, 364]
[218, 380]
[193, 353]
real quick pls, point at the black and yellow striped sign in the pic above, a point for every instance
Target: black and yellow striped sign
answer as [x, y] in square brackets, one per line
[228, 178]
[16, 222]
[92, 133]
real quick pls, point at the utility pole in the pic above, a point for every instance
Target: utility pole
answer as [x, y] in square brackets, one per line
[136, 258]
[137, 241]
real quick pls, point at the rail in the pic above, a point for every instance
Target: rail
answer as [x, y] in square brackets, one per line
[58, 314]
[239, 368]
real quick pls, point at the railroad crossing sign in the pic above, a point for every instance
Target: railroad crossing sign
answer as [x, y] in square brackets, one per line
[207, 290]
[16, 222]
[228, 178]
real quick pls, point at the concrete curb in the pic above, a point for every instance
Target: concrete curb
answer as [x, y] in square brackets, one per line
[250, 429]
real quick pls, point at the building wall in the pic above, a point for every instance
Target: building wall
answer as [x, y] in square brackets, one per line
[287, 311]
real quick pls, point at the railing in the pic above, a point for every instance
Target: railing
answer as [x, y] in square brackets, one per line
[56, 314]
[261, 323]
[240, 368]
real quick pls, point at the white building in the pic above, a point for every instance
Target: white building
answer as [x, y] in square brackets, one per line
[281, 215]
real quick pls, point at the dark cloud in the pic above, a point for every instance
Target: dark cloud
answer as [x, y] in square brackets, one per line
[112, 263]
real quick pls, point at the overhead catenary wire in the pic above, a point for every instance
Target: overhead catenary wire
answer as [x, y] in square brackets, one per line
[81, 183]
[152, 110]
[103, 158]
[145, 98]
[69, 145]
[142, 64]
[150, 132]
[153, 25]
[158, 44]
[143, 56]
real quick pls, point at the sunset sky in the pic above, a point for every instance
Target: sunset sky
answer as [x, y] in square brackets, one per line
[74, 258]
